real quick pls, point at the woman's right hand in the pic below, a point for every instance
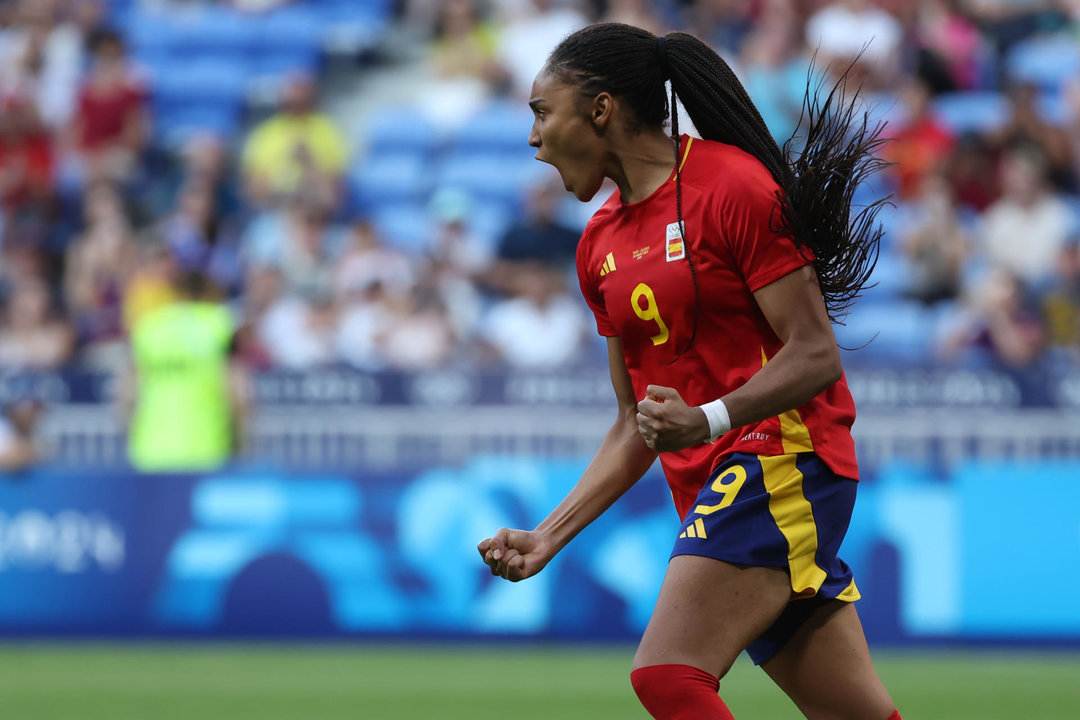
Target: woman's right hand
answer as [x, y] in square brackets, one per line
[516, 554]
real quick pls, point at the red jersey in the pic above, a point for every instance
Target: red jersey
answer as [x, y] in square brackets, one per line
[105, 113]
[633, 269]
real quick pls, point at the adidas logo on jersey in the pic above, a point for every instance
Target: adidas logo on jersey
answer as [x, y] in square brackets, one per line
[609, 265]
[695, 530]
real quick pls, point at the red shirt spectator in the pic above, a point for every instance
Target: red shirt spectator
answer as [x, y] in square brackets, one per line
[26, 155]
[105, 113]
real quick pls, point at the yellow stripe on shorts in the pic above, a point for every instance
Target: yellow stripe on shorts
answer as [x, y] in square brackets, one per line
[794, 517]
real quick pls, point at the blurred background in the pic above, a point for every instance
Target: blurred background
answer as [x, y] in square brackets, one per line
[289, 322]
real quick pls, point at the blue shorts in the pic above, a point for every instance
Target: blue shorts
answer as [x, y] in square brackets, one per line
[788, 511]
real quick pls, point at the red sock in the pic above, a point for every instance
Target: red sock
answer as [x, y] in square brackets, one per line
[679, 692]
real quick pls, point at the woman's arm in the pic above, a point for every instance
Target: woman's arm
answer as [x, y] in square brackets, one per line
[807, 364]
[619, 463]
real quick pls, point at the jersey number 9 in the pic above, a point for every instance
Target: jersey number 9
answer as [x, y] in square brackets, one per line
[649, 312]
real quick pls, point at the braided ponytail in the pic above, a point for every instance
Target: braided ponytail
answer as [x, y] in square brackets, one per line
[817, 174]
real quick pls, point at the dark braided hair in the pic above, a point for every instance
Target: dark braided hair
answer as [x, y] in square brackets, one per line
[817, 173]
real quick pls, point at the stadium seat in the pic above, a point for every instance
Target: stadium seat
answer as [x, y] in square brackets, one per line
[888, 281]
[174, 124]
[353, 26]
[1048, 61]
[889, 334]
[494, 178]
[213, 80]
[967, 112]
[399, 130]
[405, 226]
[390, 179]
[293, 29]
[498, 128]
[214, 30]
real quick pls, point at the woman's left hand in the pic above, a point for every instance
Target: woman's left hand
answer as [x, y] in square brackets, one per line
[667, 423]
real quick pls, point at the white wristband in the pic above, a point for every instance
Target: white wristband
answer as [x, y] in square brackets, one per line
[719, 420]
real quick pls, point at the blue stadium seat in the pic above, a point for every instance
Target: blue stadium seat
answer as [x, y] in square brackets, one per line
[979, 111]
[500, 179]
[890, 334]
[175, 124]
[406, 227]
[353, 25]
[499, 127]
[888, 279]
[151, 34]
[398, 130]
[214, 30]
[391, 179]
[201, 80]
[1046, 61]
[292, 29]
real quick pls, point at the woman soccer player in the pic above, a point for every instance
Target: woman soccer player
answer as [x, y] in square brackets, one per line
[714, 272]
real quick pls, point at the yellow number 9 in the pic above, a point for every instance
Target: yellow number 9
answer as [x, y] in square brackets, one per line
[728, 489]
[650, 312]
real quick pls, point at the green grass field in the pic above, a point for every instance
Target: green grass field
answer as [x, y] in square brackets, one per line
[438, 682]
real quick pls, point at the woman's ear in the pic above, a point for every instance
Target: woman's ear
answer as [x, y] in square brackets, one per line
[600, 112]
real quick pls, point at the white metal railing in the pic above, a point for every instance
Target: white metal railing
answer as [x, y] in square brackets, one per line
[383, 438]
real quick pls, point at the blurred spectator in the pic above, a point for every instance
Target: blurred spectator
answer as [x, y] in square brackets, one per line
[196, 232]
[100, 263]
[465, 44]
[366, 261]
[298, 240]
[951, 51]
[151, 286]
[541, 327]
[33, 336]
[464, 65]
[1071, 98]
[298, 330]
[936, 246]
[775, 69]
[529, 30]
[110, 130]
[454, 242]
[845, 29]
[262, 289]
[1006, 22]
[365, 314]
[27, 158]
[639, 13]
[723, 24]
[42, 59]
[921, 144]
[188, 395]
[997, 325]
[971, 172]
[1061, 303]
[297, 150]
[1027, 125]
[1026, 229]
[540, 236]
[18, 423]
[204, 159]
[418, 334]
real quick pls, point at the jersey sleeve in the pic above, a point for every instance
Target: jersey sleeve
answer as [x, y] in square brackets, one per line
[590, 287]
[748, 216]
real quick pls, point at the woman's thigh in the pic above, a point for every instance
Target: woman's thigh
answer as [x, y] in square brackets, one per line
[709, 610]
[825, 668]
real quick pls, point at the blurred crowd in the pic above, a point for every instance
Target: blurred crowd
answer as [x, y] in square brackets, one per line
[99, 216]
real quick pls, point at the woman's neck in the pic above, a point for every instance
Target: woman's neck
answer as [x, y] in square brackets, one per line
[643, 165]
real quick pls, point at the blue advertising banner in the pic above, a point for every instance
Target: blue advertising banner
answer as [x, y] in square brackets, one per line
[251, 552]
